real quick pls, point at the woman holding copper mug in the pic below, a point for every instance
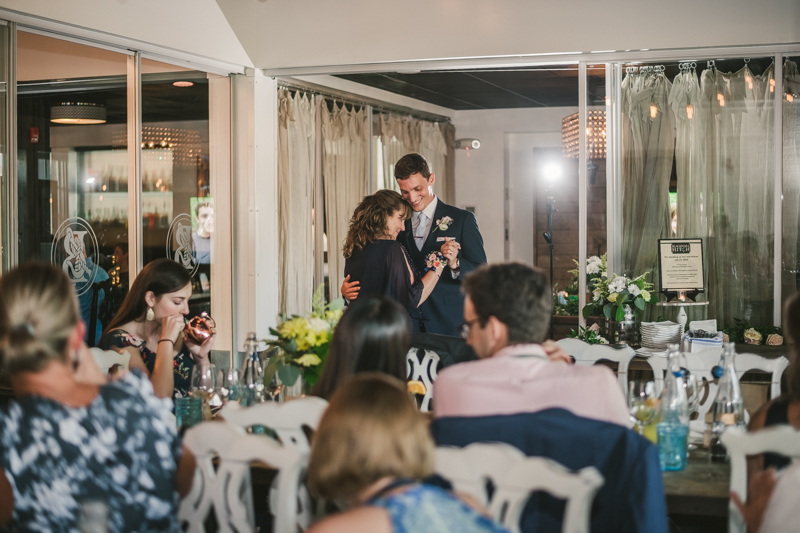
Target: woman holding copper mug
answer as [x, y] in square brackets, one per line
[150, 326]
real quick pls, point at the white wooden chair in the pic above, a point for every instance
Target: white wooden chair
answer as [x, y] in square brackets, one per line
[784, 440]
[515, 477]
[226, 490]
[586, 354]
[423, 370]
[287, 419]
[745, 362]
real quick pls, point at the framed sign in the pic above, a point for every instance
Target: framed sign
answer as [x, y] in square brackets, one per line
[680, 265]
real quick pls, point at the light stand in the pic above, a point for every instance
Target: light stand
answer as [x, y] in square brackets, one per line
[548, 237]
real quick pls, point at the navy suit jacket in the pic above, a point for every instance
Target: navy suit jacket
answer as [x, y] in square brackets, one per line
[631, 499]
[443, 311]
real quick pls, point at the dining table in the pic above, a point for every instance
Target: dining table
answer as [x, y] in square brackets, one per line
[701, 489]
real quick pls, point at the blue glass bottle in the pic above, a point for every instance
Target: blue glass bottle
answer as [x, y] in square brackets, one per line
[673, 425]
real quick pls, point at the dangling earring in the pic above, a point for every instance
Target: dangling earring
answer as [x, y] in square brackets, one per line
[150, 316]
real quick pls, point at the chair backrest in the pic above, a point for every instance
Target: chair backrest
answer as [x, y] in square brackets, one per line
[586, 354]
[226, 490]
[287, 419]
[515, 477]
[422, 365]
[573, 347]
[701, 368]
[784, 440]
[106, 359]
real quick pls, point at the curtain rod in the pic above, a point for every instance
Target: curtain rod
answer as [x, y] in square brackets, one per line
[377, 105]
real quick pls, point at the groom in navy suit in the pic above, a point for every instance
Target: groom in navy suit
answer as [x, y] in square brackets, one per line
[435, 226]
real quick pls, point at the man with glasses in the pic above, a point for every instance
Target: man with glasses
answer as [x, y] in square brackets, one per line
[506, 315]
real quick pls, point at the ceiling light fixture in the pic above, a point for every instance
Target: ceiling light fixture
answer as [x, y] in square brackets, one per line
[183, 83]
[78, 113]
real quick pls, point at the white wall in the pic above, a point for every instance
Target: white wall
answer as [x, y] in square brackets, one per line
[480, 174]
[292, 33]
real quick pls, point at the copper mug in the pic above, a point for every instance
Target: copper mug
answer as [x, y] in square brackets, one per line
[200, 328]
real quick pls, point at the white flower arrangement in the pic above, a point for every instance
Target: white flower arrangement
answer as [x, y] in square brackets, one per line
[595, 266]
[443, 223]
[611, 295]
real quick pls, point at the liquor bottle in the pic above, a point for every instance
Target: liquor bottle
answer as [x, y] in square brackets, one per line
[251, 377]
[673, 425]
[728, 407]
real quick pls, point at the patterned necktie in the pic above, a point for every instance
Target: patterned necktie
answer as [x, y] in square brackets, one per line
[419, 236]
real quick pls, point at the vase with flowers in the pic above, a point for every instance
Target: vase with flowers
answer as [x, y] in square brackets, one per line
[621, 300]
[297, 354]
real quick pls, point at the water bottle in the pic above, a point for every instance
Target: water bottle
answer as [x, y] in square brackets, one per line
[728, 407]
[251, 377]
[673, 425]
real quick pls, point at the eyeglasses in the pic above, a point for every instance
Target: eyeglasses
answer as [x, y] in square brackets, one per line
[464, 327]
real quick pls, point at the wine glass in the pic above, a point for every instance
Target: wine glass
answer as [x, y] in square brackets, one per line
[693, 389]
[204, 386]
[228, 384]
[642, 403]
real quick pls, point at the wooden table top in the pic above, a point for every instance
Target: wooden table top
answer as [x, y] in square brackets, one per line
[700, 489]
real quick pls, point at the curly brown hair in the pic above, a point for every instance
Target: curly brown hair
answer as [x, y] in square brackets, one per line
[369, 219]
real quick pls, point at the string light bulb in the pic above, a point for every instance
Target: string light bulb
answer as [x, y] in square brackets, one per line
[772, 85]
[789, 98]
[653, 110]
[689, 111]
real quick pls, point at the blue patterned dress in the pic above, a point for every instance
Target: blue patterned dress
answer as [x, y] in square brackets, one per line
[182, 364]
[428, 509]
[122, 450]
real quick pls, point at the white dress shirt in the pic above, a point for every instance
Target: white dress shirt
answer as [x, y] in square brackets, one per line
[429, 212]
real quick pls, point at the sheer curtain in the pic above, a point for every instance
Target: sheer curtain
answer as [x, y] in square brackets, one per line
[401, 135]
[296, 142]
[740, 165]
[648, 147]
[690, 162]
[433, 148]
[791, 180]
[345, 172]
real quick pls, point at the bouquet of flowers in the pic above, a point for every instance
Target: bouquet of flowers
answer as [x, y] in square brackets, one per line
[611, 295]
[590, 335]
[595, 267]
[302, 342]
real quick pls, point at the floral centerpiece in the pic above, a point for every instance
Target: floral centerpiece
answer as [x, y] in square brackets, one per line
[610, 296]
[596, 267]
[590, 335]
[302, 342]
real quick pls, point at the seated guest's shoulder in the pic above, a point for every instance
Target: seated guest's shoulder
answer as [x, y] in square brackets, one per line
[364, 519]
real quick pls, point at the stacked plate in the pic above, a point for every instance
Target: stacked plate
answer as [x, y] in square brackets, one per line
[658, 334]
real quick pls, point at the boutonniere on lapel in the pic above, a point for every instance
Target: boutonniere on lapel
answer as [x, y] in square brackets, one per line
[443, 223]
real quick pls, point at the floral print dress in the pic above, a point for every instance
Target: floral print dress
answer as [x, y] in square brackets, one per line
[121, 450]
[182, 365]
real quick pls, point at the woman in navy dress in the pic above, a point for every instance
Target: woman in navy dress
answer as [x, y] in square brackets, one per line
[378, 261]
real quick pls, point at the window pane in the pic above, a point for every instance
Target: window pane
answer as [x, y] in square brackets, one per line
[73, 168]
[702, 137]
[177, 209]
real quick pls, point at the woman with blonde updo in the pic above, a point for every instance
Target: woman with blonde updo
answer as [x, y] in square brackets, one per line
[375, 259]
[65, 442]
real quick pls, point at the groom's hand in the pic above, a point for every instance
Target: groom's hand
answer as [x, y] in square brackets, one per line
[450, 251]
[350, 289]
